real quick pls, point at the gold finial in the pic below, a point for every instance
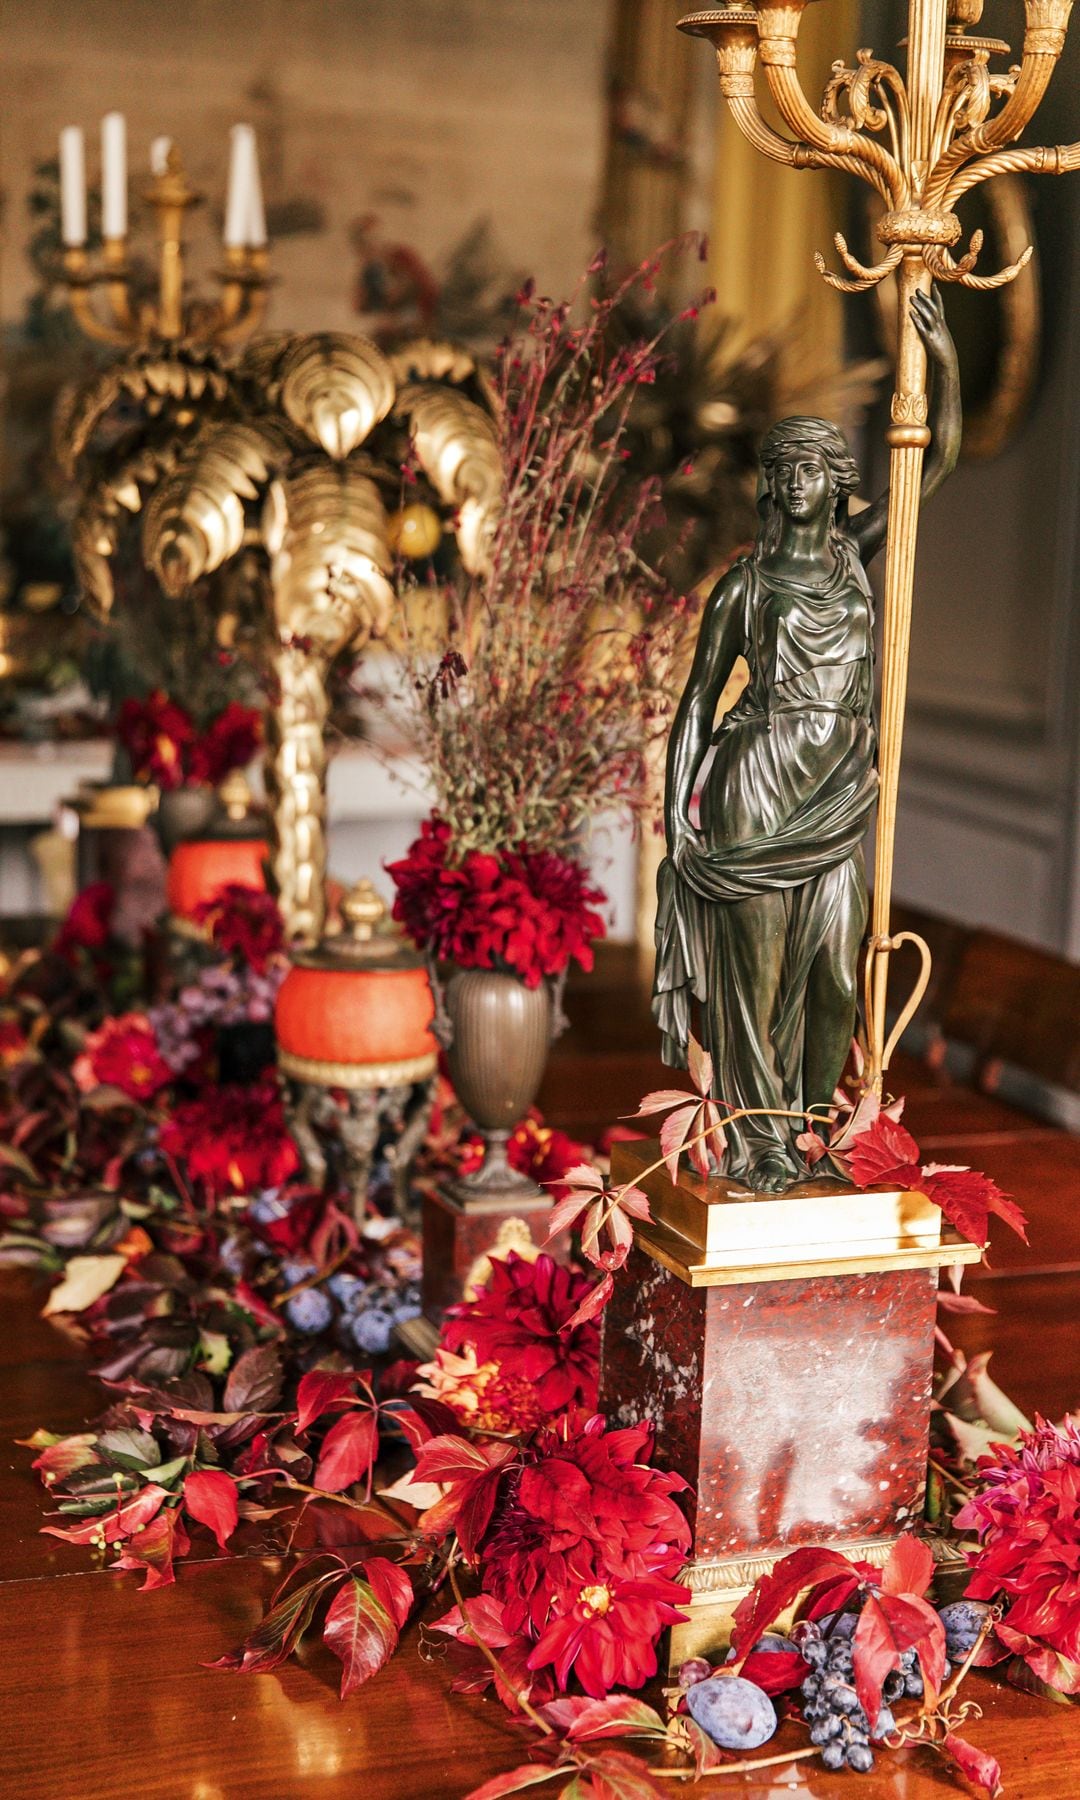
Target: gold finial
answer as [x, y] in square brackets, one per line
[235, 796]
[363, 910]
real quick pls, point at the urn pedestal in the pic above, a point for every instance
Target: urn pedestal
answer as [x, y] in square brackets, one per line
[498, 1033]
[782, 1348]
[356, 1053]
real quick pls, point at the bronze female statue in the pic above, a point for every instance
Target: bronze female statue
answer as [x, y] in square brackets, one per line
[762, 912]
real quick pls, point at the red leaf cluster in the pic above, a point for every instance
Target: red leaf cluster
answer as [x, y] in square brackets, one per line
[244, 923]
[1027, 1517]
[530, 913]
[233, 1138]
[602, 1211]
[885, 1153]
[87, 924]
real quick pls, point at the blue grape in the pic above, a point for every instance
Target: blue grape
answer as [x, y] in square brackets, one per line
[296, 1268]
[348, 1290]
[734, 1712]
[372, 1331]
[963, 1620]
[772, 1644]
[309, 1311]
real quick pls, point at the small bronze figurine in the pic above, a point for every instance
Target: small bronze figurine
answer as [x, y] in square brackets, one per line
[762, 911]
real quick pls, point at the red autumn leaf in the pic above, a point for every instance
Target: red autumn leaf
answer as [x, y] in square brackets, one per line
[687, 1736]
[421, 1420]
[775, 1671]
[594, 1302]
[888, 1625]
[1046, 1664]
[699, 1066]
[452, 1458]
[981, 1770]
[275, 1636]
[123, 1522]
[967, 1198]
[391, 1587]
[525, 1775]
[659, 1101]
[474, 1512]
[884, 1152]
[774, 1593]
[244, 1295]
[153, 1549]
[348, 1453]
[254, 1383]
[319, 1391]
[616, 1776]
[58, 1461]
[604, 1208]
[910, 1568]
[949, 1302]
[617, 1715]
[210, 1496]
[360, 1631]
[482, 1618]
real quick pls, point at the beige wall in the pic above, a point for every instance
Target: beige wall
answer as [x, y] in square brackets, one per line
[427, 113]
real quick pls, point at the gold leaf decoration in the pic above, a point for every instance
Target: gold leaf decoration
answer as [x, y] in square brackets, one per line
[457, 448]
[335, 388]
[329, 584]
[195, 520]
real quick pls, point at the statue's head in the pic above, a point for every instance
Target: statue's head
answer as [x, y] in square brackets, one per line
[806, 469]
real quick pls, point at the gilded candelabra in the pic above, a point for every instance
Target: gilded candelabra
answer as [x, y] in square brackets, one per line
[284, 458]
[922, 142]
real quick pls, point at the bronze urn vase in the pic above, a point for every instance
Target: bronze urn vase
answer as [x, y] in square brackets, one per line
[500, 1032]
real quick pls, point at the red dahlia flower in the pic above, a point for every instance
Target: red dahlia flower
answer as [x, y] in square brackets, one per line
[244, 923]
[533, 1148]
[233, 1138]
[527, 912]
[157, 734]
[1027, 1516]
[229, 743]
[516, 1322]
[123, 1053]
[583, 1553]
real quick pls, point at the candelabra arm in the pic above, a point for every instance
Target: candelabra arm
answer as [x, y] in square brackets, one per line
[79, 280]
[1060, 159]
[869, 159]
[114, 257]
[743, 107]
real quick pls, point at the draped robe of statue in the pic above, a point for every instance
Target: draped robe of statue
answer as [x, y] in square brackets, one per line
[775, 880]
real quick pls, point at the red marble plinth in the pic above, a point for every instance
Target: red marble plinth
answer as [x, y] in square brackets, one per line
[786, 1377]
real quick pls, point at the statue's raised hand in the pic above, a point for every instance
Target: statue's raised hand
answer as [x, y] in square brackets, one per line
[928, 316]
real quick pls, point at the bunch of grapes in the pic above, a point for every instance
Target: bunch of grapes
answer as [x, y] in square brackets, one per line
[838, 1724]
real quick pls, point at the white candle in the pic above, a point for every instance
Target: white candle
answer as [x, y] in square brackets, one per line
[72, 187]
[159, 155]
[256, 234]
[241, 180]
[113, 176]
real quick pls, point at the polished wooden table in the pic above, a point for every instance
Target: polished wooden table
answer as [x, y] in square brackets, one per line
[104, 1690]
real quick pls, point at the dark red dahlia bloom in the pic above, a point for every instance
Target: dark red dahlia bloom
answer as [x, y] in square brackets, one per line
[528, 912]
[157, 735]
[244, 922]
[1027, 1516]
[584, 1552]
[123, 1053]
[516, 1321]
[229, 743]
[88, 923]
[233, 1138]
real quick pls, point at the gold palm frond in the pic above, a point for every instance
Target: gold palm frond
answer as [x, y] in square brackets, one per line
[335, 387]
[195, 521]
[330, 556]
